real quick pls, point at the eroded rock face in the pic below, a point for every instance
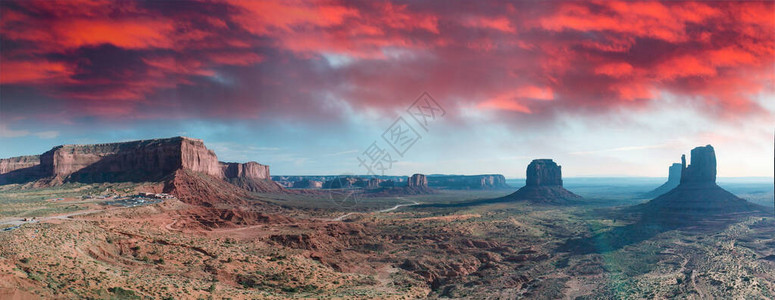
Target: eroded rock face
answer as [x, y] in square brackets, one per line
[196, 157]
[697, 197]
[544, 172]
[251, 170]
[544, 185]
[19, 162]
[702, 168]
[418, 180]
[144, 160]
[20, 169]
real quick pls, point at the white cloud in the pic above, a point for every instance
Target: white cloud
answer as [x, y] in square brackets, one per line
[47, 134]
[6, 132]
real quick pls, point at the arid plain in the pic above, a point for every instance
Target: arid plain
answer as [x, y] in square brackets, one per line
[214, 238]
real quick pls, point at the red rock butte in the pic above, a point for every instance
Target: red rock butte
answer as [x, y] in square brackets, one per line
[544, 185]
[697, 196]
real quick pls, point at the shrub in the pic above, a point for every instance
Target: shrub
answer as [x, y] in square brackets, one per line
[122, 293]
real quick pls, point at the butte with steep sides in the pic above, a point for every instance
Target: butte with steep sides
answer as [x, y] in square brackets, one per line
[544, 185]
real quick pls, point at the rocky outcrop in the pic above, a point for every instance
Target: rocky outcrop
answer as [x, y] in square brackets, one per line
[20, 162]
[307, 184]
[21, 169]
[417, 184]
[136, 161]
[697, 197]
[418, 181]
[251, 176]
[251, 170]
[544, 172]
[673, 179]
[467, 182]
[703, 166]
[544, 185]
[373, 183]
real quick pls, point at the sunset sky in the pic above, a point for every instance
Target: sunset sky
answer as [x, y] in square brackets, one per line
[605, 88]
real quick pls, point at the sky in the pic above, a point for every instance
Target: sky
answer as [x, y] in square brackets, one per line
[605, 88]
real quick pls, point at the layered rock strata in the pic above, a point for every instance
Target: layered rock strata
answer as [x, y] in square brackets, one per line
[135, 161]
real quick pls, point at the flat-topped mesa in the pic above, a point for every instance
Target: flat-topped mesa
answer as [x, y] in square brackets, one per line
[250, 176]
[19, 162]
[135, 161]
[418, 180]
[249, 169]
[544, 172]
[143, 160]
[702, 168]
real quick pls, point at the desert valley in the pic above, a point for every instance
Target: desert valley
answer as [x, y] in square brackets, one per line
[165, 219]
[413, 149]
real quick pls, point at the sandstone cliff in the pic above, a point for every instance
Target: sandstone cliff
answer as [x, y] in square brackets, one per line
[418, 180]
[20, 169]
[135, 161]
[251, 169]
[251, 176]
[20, 162]
[544, 172]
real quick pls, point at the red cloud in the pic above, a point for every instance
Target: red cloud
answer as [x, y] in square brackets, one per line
[33, 72]
[283, 57]
[497, 23]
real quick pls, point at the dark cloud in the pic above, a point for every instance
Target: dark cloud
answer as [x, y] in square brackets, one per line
[308, 61]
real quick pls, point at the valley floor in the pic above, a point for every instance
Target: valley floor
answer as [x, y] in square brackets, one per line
[377, 248]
